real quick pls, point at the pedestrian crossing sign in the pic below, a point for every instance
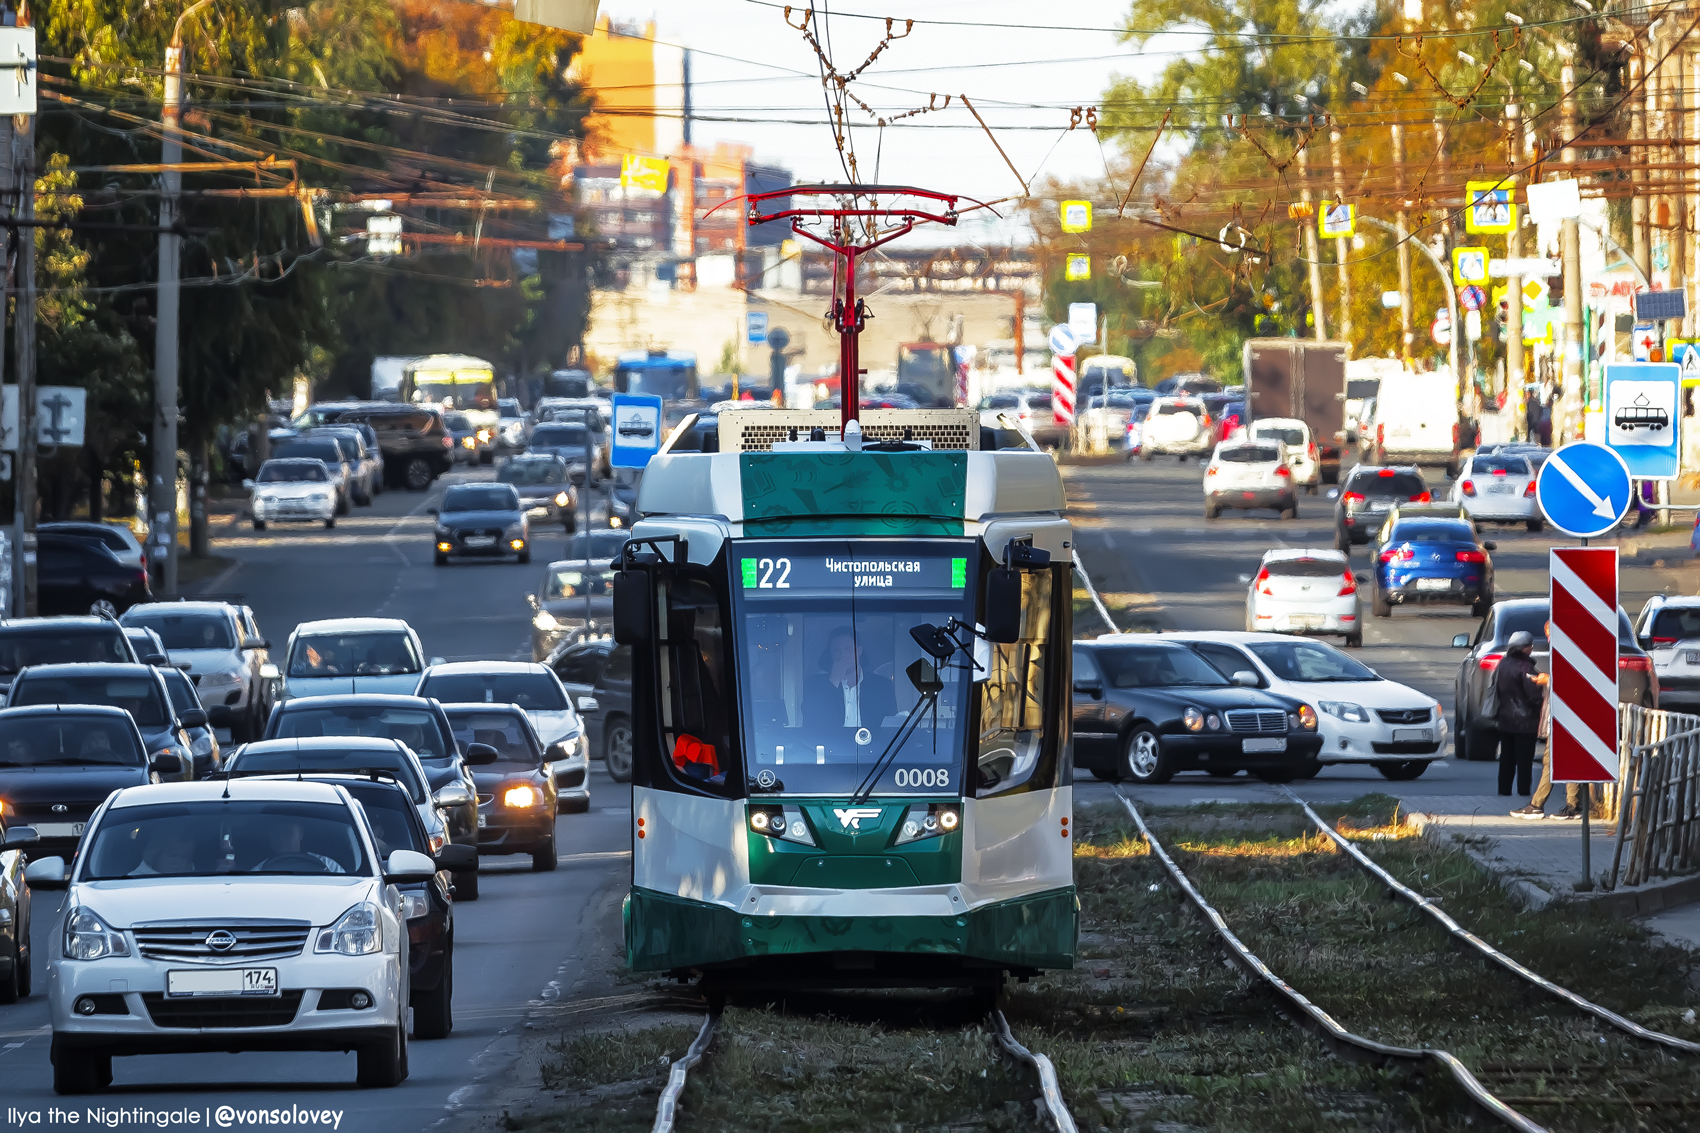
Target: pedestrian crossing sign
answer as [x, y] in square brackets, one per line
[1488, 209]
[1337, 220]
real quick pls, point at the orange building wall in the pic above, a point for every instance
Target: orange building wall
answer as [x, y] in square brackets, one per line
[620, 71]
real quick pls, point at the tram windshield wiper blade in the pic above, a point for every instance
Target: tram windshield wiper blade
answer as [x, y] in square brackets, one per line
[904, 730]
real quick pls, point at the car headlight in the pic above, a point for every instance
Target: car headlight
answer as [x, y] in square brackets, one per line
[522, 797]
[87, 937]
[1345, 710]
[1194, 719]
[224, 677]
[545, 621]
[202, 746]
[561, 499]
[357, 932]
[1304, 718]
[415, 905]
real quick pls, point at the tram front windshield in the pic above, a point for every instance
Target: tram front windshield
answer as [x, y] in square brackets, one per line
[825, 646]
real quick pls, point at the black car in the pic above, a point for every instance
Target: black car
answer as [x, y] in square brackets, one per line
[601, 543]
[576, 601]
[137, 689]
[59, 762]
[516, 798]
[203, 744]
[14, 910]
[481, 519]
[416, 446]
[602, 671]
[416, 721]
[543, 487]
[75, 575]
[1144, 710]
[429, 905]
[60, 641]
[572, 442]
[1363, 500]
[149, 649]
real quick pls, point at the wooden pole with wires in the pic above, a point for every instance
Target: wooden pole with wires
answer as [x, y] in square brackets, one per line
[1513, 249]
[1402, 232]
[1342, 246]
[1318, 308]
[1638, 235]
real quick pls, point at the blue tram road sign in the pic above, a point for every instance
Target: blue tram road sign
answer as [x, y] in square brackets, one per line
[636, 435]
[1584, 489]
[1643, 417]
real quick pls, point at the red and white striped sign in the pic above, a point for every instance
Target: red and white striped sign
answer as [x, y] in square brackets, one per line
[1583, 743]
[1062, 389]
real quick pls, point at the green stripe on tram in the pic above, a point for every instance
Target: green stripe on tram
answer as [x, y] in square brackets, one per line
[854, 493]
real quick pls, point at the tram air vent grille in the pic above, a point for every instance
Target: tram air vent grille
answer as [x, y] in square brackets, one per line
[758, 430]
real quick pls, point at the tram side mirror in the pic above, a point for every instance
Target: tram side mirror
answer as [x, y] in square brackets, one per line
[632, 606]
[1003, 606]
[934, 642]
[924, 677]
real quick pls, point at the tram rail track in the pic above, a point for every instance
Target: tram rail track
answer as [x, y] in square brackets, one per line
[1495, 1088]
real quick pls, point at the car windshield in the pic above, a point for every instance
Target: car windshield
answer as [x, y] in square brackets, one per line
[576, 582]
[825, 646]
[534, 692]
[1309, 661]
[532, 472]
[509, 408]
[1286, 434]
[416, 727]
[181, 690]
[1305, 568]
[1675, 623]
[68, 739]
[1249, 454]
[560, 436]
[375, 653]
[387, 812]
[1500, 465]
[596, 545]
[1170, 408]
[23, 644]
[292, 472]
[457, 422]
[505, 731]
[1387, 484]
[1126, 398]
[1000, 401]
[327, 760]
[108, 536]
[1155, 666]
[480, 498]
[324, 450]
[1432, 531]
[140, 696]
[223, 837]
[187, 631]
[1531, 620]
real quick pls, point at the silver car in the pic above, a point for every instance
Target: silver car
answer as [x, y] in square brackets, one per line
[1669, 630]
[1498, 488]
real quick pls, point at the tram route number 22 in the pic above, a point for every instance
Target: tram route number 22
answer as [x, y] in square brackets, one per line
[771, 574]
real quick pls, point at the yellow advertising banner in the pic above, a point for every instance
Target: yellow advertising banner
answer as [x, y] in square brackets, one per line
[648, 173]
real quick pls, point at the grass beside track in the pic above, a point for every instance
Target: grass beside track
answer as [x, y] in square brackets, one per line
[1153, 1032]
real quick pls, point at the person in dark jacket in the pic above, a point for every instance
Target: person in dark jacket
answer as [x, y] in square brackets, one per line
[1520, 692]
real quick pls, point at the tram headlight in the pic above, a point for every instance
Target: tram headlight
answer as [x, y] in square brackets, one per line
[784, 823]
[928, 820]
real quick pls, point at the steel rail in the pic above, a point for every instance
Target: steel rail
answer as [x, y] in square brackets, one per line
[1048, 1088]
[1342, 1042]
[667, 1108]
[1459, 932]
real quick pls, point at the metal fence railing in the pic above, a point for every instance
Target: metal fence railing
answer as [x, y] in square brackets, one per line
[1657, 796]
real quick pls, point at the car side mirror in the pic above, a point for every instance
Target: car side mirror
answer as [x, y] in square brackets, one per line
[408, 865]
[166, 764]
[156, 659]
[479, 755]
[1091, 687]
[1245, 678]
[1362, 576]
[632, 607]
[589, 704]
[531, 600]
[1460, 641]
[247, 485]
[1490, 545]
[22, 836]
[460, 859]
[193, 718]
[451, 796]
[1333, 493]
[432, 511]
[47, 871]
[255, 643]
[269, 672]
[1646, 643]
[1003, 606]
[438, 661]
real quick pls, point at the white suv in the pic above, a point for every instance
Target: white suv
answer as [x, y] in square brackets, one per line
[1302, 456]
[1248, 474]
[1312, 592]
[245, 915]
[227, 663]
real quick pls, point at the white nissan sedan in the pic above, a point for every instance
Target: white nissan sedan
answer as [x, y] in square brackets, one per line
[1363, 717]
[1310, 592]
[245, 915]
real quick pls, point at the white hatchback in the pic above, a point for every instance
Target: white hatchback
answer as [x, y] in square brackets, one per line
[1247, 474]
[246, 915]
[1302, 456]
[1309, 592]
[350, 655]
[1498, 488]
[1363, 717]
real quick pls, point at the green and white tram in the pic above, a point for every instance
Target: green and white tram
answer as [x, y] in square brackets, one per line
[851, 701]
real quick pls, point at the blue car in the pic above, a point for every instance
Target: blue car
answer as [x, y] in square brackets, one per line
[1435, 561]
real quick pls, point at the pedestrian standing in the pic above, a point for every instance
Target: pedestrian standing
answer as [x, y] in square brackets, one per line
[1536, 809]
[1519, 689]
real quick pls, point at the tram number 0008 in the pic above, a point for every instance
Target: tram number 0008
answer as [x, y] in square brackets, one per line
[768, 568]
[921, 777]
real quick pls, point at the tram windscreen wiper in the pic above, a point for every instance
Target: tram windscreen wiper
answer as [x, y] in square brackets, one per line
[925, 678]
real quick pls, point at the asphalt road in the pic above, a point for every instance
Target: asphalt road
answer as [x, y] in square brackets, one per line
[1142, 536]
[525, 940]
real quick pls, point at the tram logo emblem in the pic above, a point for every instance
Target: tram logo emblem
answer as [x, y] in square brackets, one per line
[851, 817]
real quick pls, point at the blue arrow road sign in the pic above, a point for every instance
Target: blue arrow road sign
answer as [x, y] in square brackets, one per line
[1583, 489]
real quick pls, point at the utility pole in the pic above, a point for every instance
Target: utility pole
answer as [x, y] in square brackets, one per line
[1318, 310]
[162, 499]
[1671, 75]
[1402, 232]
[1342, 246]
[1571, 237]
[1513, 249]
[1638, 157]
[23, 352]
